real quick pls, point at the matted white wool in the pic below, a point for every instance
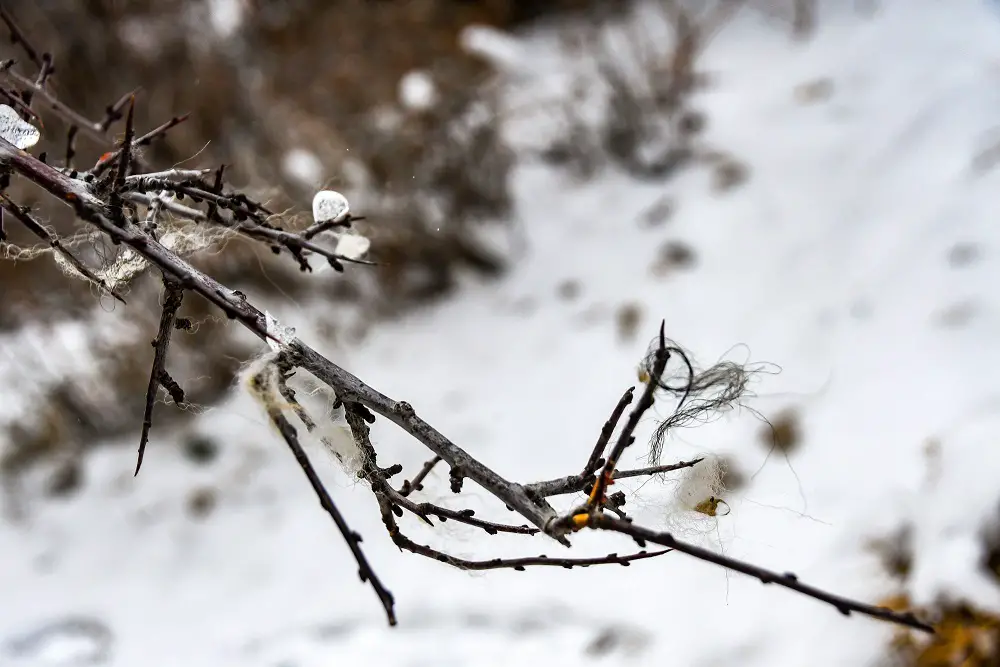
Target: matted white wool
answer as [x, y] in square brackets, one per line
[697, 502]
[352, 246]
[329, 429]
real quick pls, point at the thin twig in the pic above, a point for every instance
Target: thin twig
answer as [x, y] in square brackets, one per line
[409, 486]
[625, 438]
[173, 295]
[23, 216]
[579, 483]
[517, 564]
[609, 427]
[353, 539]
[788, 580]
[89, 127]
[108, 158]
[655, 470]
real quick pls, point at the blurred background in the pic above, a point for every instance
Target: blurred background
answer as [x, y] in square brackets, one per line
[807, 186]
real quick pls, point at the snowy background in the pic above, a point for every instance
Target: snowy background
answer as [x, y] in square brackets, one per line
[857, 257]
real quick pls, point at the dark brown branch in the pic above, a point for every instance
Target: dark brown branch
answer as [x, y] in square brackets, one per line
[655, 470]
[625, 438]
[593, 463]
[108, 159]
[416, 484]
[353, 539]
[173, 295]
[518, 564]
[788, 580]
[71, 145]
[579, 483]
[125, 150]
[23, 216]
[114, 112]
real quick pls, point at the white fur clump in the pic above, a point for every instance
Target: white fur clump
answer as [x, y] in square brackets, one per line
[698, 502]
[352, 246]
[329, 427]
[180, 236]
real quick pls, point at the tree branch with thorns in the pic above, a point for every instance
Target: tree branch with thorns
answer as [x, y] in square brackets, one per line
[131, 205]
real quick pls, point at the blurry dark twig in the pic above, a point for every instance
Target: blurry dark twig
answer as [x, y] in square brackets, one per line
[173, 295]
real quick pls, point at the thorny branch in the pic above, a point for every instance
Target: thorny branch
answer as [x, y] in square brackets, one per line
[173, 295]
[108, 202]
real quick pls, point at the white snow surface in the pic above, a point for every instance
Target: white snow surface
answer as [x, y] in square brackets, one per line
[832, 262]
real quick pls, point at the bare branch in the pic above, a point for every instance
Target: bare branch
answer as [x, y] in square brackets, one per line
[518, 564]
[409, 486]
[23, 216]
[353, 539]
[580, 483]
[593, 463]
[173, 295]
[625, 438]
[788, 580]
[89, 127]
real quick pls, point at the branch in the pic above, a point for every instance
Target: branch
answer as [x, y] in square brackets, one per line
[260, 383]
[89, 127]
[625, 438]
[409, 486]
[361, 400]
[517, 564]
[788, 580]
[580, 483]
[173, 296]
[23, 216]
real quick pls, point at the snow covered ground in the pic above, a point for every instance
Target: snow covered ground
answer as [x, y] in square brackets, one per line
[857, 257]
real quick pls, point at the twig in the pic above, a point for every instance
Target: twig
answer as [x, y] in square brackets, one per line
[580, 483]
[788, 580]
[409, 486]
[23, 216]
[353, 539]
[71, 145]
[125, 155]
[173, 296]
[517, 564]
[609, 427]
[625, 438]
[655, 470]
[108, 159]
[249, 228]
[114, 112]
[88, 127]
